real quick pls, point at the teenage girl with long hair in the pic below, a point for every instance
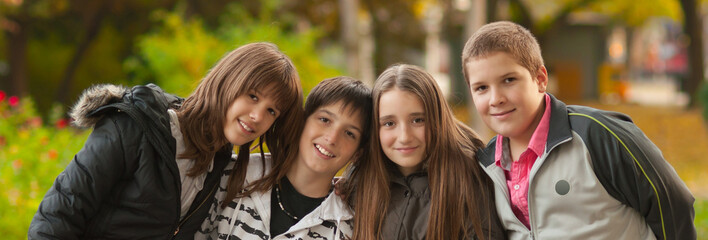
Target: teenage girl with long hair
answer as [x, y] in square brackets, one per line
[154, 160]
[422, 181]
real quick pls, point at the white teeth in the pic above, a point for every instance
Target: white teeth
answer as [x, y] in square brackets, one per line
[245, 127]
[323, 151]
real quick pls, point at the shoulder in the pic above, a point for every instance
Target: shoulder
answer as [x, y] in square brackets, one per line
[580, 113]
[118, 126]
[595, 123]
[96, 101]
[93, 98]
[257, 166]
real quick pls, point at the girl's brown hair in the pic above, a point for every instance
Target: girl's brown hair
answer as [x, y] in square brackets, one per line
[457, 184]
[255, 66]
[354, 96]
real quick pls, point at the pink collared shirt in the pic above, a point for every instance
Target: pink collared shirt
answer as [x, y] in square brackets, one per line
[517, 173]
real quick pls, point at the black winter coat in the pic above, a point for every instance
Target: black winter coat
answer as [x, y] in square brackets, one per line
[124, 183]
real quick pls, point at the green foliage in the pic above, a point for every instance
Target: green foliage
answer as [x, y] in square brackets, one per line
[50, 56]
[701, 221]
[636, 14]
[177, 56]
[545, 12]
[32, 154]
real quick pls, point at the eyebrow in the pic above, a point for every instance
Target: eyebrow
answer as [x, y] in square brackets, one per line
[508, 74]
[415, 114]
[332, 115]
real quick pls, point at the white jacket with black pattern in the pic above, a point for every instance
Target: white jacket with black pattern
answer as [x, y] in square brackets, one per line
[330, 220]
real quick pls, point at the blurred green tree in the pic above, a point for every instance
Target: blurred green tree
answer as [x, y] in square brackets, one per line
[179, 54]
[46, 43]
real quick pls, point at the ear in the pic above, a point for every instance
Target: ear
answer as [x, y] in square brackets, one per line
[542, 79]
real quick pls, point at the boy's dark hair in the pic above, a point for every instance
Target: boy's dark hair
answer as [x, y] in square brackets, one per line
[507, 37]
[354, 95]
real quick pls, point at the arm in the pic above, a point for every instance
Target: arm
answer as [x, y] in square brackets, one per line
[78, 192]
[633, 170]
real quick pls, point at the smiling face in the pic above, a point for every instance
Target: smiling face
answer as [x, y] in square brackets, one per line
[249, 116]
[401, 127]
[507, 96]
[330, 139]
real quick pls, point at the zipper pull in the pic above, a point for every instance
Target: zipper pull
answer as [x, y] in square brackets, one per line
[176, 231]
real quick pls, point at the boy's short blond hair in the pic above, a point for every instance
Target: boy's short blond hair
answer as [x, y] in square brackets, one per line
[507, 37]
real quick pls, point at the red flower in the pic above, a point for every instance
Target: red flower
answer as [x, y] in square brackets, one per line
[2, 96]
[53, 154]
[3, 141]
[61, 123]
[14, 100]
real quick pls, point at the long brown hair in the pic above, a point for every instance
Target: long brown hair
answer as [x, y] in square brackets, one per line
[353, 94]
[251, 66]
[457, 184]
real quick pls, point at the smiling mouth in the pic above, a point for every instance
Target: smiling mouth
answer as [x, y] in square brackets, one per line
[406, 150]
[244, 126]
[502, 113]
[324, 151]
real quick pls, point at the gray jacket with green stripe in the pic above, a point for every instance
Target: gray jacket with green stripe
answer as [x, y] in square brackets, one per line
[600, 177]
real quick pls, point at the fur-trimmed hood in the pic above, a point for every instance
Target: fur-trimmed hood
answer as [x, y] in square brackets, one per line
[93, 98]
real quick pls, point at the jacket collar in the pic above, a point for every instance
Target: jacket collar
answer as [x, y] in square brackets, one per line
[417, 182]
[559, 130]
[333, 208]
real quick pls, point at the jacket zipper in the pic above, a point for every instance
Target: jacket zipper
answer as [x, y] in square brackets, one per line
[195, 210]
[543, 158]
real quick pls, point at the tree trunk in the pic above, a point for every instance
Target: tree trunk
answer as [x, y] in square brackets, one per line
[17, 57]
[491, 9]
[93, 25]
[693, 27]
[379, 40]
[349, 36]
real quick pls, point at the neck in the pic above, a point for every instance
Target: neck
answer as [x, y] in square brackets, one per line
[408, 171]
[519, 144]
[308, 183]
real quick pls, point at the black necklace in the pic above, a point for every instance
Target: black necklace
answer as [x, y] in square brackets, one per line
[280, 203]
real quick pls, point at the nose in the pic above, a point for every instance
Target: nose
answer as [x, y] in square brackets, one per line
[256, 115]
[497, 97]
[331, 136]
[404, 134]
